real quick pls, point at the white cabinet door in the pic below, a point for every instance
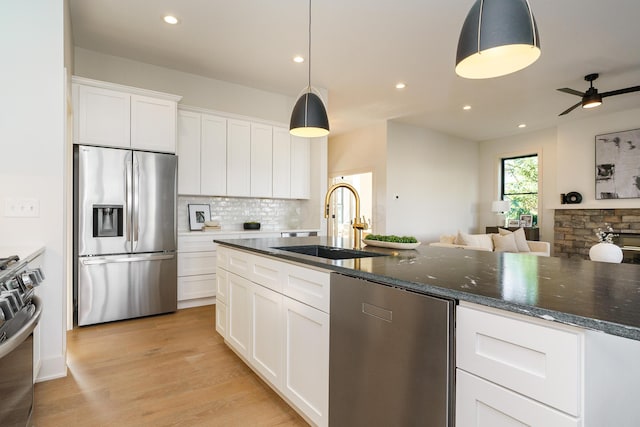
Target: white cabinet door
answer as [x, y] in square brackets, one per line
[266, 333]
[306, 354]
[238, 158]
[281, 163]
[221, 319]
[103, 117]
[196, 263]
[188, 152]
[239, 314]
[222, 285]
[300, 168]
[153, 124]
[481, 403]
[192, 287]
[261, 160]
[213, 156]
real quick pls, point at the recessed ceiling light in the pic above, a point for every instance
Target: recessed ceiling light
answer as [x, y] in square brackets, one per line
[467, 107]
[298, 59]
[522, 125]
[170, 19]
[401, 85]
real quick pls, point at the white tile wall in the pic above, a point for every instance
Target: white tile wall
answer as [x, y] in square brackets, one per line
[273, 214]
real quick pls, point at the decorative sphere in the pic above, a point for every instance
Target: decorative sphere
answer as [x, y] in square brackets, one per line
[605, 252]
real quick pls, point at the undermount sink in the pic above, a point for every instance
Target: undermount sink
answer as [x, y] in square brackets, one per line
[328, 252]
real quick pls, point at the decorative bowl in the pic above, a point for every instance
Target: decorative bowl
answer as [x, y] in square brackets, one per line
[251, 225]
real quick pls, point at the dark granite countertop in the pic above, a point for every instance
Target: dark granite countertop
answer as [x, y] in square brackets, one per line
[593, 295]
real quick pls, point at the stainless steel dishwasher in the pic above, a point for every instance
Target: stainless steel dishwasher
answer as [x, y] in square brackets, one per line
[391, 356]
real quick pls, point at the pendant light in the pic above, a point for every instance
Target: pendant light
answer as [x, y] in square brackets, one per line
[498, 37]
[309, 117]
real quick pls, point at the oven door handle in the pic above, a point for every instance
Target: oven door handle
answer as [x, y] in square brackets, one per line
[97, 261]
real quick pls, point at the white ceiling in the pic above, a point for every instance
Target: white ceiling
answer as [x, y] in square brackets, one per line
[361, 48]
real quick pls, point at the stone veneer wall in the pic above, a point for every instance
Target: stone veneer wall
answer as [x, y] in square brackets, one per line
[574, 229]
[273, 214]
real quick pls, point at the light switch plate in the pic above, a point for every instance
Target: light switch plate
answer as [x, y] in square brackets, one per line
[21, 207]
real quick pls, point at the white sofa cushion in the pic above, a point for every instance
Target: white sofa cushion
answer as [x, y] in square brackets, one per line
[475, 240]
[520, 238]
[505, 243]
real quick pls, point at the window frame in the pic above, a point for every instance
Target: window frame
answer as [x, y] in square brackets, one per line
[502, 178]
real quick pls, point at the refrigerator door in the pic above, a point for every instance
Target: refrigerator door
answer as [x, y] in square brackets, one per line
[154, 202]
[102, 178]
[125, 286]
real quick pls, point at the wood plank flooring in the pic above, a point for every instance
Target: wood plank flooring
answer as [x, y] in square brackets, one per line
[167, 370]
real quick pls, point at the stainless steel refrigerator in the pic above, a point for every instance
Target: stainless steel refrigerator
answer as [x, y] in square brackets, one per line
[124, 234]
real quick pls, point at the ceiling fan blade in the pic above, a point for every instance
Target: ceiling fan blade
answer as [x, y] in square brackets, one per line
[621, 91]
[570, 109]
[571, 91]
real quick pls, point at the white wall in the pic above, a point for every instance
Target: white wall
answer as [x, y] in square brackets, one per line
[432, 183]
[359, 151]
[196, 91]
[542, 143]
[576, 158]
[32, 125]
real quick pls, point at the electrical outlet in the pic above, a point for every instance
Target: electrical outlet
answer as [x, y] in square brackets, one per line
[21, 207]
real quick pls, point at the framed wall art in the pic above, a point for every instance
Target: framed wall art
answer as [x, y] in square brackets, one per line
[198, 214]
[526, 220]
[618, 165]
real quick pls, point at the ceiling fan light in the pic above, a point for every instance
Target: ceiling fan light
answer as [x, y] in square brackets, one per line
[498, 37]
[591, 101]
[309, 117]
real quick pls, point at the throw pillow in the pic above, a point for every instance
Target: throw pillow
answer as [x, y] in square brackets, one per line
[448, 238]
[505, 243]
[478, 240]
[521, 238]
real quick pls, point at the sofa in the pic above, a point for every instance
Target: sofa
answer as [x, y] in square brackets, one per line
[504, 241]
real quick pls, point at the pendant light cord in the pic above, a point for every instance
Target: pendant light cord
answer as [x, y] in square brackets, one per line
[309, 85]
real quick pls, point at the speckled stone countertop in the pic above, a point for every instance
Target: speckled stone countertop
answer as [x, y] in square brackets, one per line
[593, 295]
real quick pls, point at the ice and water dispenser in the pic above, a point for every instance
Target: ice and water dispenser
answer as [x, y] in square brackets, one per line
[107, 220]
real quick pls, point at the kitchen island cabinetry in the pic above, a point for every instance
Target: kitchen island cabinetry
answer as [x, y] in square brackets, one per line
[112, 115]
[285, 340]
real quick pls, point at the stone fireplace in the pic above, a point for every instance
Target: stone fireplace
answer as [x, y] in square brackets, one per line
[574, 230]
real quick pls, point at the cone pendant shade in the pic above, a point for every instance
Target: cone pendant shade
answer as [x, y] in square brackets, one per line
[309, 117]
[498, 37]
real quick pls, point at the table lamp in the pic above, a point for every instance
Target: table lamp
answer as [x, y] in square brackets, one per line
[499, 207]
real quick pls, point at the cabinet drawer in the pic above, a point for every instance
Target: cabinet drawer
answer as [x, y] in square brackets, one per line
[483, 404]
[519, 353]
[308, 286]
[198, 242]
[195, 263]
[191, 287]
[239, 263]
[268, 272]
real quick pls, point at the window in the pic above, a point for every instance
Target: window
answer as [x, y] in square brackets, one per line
[520, 185]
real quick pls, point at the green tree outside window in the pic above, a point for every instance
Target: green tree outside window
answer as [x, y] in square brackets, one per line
[520, 186]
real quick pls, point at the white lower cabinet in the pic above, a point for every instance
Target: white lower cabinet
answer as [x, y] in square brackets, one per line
[284, 340]
[266, 336]
[306, 355]
[239, 325]
[480, 403]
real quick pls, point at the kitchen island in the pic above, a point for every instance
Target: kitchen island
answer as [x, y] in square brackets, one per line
[556, 340]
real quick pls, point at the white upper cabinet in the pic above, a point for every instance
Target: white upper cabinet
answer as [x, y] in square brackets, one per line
[213, 155]
[113, 115]
[281, 163]
[103, 117]
[261, 160]
[153, 124]
[300, 168]
[188, 152]
[238, 158]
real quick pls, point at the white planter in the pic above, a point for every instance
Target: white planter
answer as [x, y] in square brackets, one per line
[605, 252]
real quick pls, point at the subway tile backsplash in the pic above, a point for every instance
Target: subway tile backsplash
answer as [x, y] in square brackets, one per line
[273, 214]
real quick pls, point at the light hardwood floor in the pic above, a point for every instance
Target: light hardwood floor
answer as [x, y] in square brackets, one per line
[167, 370]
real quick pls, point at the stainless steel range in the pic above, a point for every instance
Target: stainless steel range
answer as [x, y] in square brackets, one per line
[20, 312]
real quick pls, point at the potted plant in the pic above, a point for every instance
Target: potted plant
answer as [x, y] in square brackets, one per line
[605, 250]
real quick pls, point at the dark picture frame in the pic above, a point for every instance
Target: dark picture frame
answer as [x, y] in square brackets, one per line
[617, 171]
[198, 214]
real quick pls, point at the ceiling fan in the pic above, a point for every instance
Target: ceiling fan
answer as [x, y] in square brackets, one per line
[591, 98]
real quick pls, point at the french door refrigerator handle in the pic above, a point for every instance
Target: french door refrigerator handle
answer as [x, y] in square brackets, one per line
[98, 261]
[128, 201]
[136, 201]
